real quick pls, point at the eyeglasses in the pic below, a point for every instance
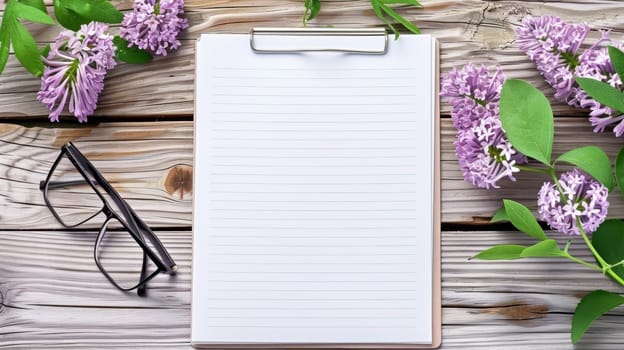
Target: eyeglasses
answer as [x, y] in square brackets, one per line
[126, 250]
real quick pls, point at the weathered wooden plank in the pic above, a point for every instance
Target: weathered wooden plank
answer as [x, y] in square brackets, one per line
[469, 31]
[149, 163]
[53, 295]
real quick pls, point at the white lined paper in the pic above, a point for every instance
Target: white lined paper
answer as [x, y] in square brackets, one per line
[313, 195]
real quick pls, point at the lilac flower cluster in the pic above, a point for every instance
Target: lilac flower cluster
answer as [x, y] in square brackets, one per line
[484, 153]
[75, 70]
[554, 46]
[580, 196]
[473, 93]
[78, 61]
[154, 25]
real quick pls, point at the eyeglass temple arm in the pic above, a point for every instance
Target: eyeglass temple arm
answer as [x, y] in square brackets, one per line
[57, 184]
[142, 287]
[135, 221]
[145, 230]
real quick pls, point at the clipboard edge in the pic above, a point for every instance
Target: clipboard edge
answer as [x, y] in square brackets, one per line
[437, 245]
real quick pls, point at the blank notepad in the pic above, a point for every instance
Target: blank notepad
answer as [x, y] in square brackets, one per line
[315, 185]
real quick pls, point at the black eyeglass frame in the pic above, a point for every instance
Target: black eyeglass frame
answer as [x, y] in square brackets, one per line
[130, 220]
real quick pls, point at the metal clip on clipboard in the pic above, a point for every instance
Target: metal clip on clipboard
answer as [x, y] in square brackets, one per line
[313, 37]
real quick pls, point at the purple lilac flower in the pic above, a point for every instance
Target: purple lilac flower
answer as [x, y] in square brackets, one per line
[595, 63]
[583, 198]
[485, 155]
[474, 94]
[554, 47]
[75, 70]
[154, 25]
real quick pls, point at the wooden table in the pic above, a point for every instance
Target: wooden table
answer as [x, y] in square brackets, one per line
[141, 138]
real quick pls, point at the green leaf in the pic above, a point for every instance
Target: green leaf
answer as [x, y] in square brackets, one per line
[608, 240]
[522, 219]
[593, 161]
[603, 93]
[5, 37]
[67, 18]
[45, 50]
[407, 24]
[543, 249]
[402, 2]
[388, 23]
[501, 252]
[312, 9]
[26, 50]
[377, 9]
[12, 32]
[500, 215]
[127, 54]
[617, 59]
[95, 10]
[381, 9]
[527, 119]
[619, 170]
[592, 306]
[38, 4]
[32, 14]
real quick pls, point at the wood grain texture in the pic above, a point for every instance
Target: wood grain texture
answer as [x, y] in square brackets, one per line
[469, 31]
[150, 164]
[53, 295]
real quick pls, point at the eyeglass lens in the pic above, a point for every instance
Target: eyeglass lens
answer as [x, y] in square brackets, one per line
[120, 257]
[70, 196]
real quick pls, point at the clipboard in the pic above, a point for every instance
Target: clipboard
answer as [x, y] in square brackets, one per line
[236, 128]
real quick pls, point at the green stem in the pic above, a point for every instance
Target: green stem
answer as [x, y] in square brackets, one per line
[567, 246]
[533, 170]
[618, 264]
[552, 173]
[583, 262]
[606, 268]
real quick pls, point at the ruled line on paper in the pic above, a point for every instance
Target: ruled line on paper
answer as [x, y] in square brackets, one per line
[313, 245]
[313, 201]
[299, 104]
[299, 113]
[309, 77]
[308, 87]
[216, 156]
[312, 95]
[217, 130]
[318, 148]
[318, 263]
[307, 121]
[312, 210]
[218, 325]
[307, 281]
[341, 69]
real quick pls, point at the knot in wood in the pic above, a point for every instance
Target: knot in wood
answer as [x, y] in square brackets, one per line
[520, 312]
[179, 179]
